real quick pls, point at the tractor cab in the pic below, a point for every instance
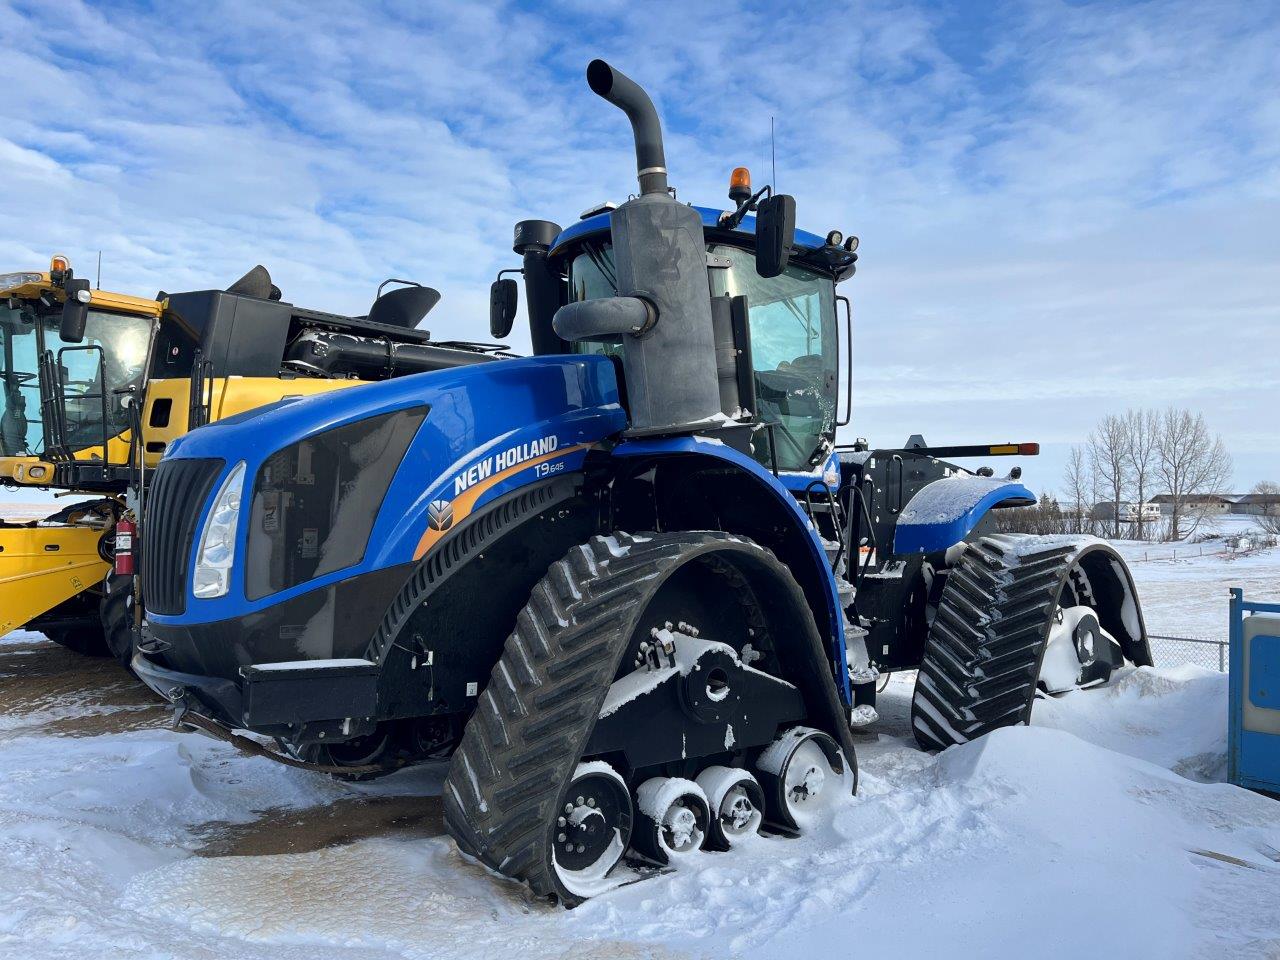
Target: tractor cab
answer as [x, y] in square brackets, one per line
[69, 358]
[777, 338]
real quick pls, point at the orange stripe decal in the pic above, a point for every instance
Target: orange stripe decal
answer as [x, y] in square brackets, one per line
[465, 502]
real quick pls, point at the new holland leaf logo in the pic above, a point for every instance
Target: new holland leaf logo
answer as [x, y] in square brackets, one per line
[440, 514]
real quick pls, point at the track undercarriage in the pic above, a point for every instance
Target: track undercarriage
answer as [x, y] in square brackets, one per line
[645, 703]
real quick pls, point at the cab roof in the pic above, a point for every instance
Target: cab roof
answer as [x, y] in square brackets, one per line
[599, 223]
[33, 284]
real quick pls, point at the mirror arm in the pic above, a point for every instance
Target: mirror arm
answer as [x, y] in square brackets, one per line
[730, 221]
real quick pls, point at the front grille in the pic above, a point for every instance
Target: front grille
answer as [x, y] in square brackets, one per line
[175, 501]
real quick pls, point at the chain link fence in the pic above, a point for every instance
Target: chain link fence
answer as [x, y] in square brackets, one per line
[1202, 651]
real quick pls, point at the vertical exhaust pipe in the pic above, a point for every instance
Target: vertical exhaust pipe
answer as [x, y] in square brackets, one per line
[662, 313]
[627, 95]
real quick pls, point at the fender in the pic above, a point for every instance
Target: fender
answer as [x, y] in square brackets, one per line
[945, 511]
[815, 555]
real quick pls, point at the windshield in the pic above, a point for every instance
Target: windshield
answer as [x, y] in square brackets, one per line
[793, 344]
[112, 355]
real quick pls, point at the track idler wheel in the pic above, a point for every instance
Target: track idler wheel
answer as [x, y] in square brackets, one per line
[674, 819]
[737, 806]
[804, 772]
[593, 829]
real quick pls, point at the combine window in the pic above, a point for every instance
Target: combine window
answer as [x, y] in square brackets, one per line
[112, 357]
[314, 502]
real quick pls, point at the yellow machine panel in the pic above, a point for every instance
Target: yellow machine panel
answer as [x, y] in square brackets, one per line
[43, 566]
[165, 416]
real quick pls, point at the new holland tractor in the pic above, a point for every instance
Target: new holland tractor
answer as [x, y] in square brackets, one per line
[628, 586]
[97, 385]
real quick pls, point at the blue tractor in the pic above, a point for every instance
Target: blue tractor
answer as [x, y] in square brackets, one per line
[629, 586]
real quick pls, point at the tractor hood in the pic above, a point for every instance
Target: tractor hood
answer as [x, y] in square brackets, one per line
[411, 456]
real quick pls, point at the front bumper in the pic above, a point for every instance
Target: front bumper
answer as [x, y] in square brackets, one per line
[213, 697]
[306, 701]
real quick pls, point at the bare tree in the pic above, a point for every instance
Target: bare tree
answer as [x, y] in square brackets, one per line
[1042, 517]
[1109, 461]
[1269, 493]
[1080, 493]
[1142, 431]
[1192, 464]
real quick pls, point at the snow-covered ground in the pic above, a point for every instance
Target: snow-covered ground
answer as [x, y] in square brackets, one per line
[1101, 830]
[1184, 585]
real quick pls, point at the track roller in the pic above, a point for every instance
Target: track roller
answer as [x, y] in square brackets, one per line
[803, 772]
[737, 805]
[675, 818]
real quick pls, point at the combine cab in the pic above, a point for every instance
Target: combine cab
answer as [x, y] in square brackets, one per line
[629, 585]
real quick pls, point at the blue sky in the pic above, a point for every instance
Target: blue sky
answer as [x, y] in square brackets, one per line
[1066, 209]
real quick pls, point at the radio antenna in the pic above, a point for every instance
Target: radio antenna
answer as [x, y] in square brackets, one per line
[99, 269]
[773, 152]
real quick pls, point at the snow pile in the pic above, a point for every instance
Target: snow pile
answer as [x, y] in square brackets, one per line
[1077, 835]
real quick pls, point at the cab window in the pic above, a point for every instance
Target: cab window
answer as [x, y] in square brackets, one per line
[793, 344]
[793, 353]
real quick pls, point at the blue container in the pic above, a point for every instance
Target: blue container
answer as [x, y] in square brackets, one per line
[1253, 741]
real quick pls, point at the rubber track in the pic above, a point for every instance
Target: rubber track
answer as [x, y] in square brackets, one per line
[982, 658]
[534, 717]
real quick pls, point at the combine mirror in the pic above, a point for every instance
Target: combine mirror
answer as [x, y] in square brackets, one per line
[75, 312]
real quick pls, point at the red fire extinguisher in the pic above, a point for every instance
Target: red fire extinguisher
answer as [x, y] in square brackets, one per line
[125, 530]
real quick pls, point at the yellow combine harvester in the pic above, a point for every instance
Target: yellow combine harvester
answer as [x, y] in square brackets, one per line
[97, 384]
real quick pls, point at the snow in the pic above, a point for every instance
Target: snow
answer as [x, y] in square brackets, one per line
[1103, 829]
[340, 664]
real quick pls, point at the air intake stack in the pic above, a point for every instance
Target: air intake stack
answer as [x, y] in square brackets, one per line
[662, 312]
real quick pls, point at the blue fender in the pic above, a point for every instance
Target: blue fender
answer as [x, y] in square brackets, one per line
[704, 447]
[943, 513]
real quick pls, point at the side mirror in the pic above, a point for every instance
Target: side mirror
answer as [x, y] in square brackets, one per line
[775, 234]
[504, 297]
[75, 312]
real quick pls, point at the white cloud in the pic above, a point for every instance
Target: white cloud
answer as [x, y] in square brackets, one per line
[1065, 209]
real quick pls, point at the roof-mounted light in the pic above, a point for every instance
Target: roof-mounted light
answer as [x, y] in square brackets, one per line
[11, 281]
[740, 184]
[835, 238]
[590, 212]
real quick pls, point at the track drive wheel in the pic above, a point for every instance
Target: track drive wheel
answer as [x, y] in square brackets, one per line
[1020, 613]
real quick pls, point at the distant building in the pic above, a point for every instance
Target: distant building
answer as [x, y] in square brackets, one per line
[1204, 503]
[1129, 511]
[1256, 504]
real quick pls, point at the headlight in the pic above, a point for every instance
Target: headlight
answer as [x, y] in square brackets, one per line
[218, 539]
[11, 281]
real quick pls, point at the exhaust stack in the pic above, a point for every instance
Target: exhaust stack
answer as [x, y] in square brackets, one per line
[662, 314]
[629, 97]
